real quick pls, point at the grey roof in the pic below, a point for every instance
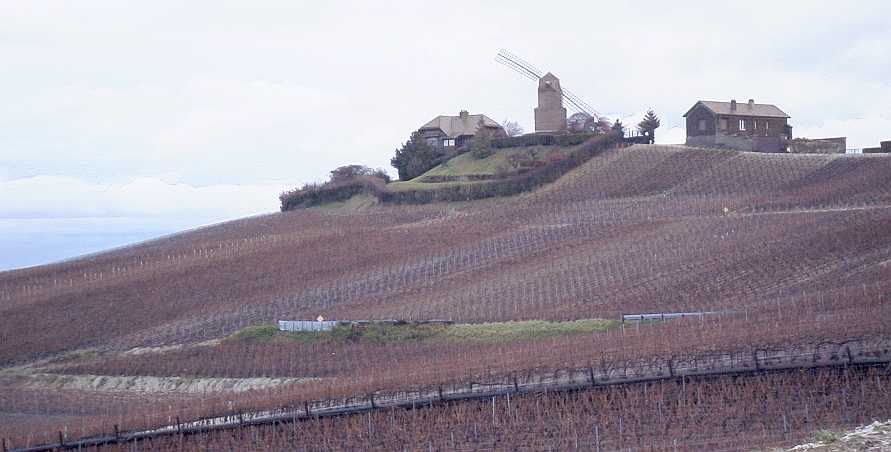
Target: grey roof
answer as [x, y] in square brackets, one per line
[742, 109]
[455, 126]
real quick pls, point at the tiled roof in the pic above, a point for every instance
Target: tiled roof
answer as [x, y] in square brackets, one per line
[455, 126]
[742, 109]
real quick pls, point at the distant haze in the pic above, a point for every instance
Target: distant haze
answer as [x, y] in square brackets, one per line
[174, 114]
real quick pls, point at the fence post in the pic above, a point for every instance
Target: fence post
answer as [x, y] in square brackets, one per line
[441, 398]
[179, 427]
[591, 374]
[306, 408]
[117, 434]
[516, 384]
[371, 398]
[61, 439]
[597, 437]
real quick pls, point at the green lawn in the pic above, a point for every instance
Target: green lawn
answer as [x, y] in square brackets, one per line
[358, 202]
[457, 333]
[468, 165]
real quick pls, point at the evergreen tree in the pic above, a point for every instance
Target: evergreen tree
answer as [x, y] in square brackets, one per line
[415, 157]
[649, 124]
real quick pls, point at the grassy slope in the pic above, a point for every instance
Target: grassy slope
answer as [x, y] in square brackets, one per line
[468, 165]
[495, 332]
[356, 203]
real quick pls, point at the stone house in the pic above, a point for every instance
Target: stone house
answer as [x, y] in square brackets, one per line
[455, 131]
[744, 126]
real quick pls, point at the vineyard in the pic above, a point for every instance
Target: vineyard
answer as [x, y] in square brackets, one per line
[789, 252]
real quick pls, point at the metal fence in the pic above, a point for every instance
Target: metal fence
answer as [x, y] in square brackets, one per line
[307, 325]
[855, 353]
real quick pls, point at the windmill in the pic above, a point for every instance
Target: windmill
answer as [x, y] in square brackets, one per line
[584, 115]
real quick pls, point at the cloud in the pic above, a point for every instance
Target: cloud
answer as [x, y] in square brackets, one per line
[214, 93]
[68, 197]
[861, 132]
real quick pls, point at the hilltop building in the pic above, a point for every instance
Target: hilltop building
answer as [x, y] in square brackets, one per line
[747, 127]
[550, 115]
[454, 131]
[884, 148]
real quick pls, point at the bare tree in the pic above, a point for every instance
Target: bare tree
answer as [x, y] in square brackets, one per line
[512, 128]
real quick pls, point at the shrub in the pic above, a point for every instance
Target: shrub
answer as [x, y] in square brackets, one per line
[541, 140]
[317, 194]
[349, 172]
[481, 147]
[416, 157]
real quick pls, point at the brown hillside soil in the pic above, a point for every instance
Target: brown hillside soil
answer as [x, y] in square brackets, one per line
[789, 248]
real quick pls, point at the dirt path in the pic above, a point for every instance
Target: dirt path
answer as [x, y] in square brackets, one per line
[873, 437]
[140, 384]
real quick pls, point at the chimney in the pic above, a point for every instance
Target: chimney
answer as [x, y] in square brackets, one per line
[732, 104]
[463, 114]
[751, 104]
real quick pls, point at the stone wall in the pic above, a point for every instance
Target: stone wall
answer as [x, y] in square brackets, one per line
[818, 145]
[738, 142]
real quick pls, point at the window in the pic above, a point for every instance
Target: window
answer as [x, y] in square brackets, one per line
[448, 142]
[742, 124]
[724, 124]
[702, 124]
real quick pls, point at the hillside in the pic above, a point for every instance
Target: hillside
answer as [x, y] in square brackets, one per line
[791, 249]
[465, 168]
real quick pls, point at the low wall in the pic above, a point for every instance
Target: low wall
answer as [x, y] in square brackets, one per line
[739, 143]
[818, 145]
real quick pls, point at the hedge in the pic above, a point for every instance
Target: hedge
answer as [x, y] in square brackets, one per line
[528, 180]
[541, 140]
[314, 195]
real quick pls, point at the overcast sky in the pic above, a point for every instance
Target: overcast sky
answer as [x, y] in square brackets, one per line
[184, 115]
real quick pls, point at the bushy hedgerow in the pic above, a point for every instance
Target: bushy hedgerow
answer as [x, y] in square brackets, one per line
[527, 180]
[311, 195]
[541, 140]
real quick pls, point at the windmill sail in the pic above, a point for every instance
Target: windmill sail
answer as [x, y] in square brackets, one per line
[528, 70]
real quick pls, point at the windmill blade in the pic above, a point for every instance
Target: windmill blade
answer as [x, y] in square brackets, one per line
[517, 69]
[517, 66]
[582, 104]
[531, 72]
[525, 64]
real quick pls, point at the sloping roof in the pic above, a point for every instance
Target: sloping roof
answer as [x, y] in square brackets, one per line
[456, 126]
[742, 109]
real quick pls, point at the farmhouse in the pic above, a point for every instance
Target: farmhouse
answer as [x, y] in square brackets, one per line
[747, 127]
[454, 131]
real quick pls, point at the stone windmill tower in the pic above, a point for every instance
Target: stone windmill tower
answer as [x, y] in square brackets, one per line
[550, 115]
